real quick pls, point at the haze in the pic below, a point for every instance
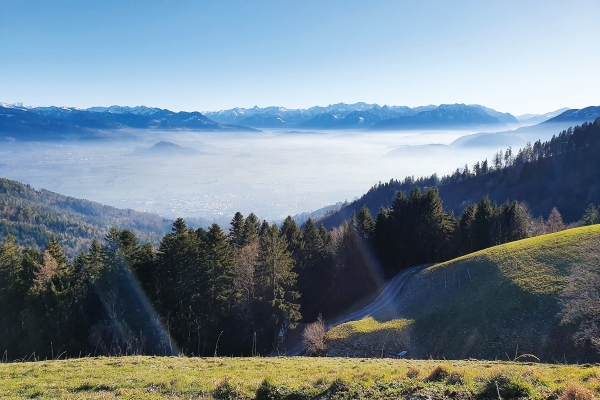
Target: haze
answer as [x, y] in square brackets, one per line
[271, 173]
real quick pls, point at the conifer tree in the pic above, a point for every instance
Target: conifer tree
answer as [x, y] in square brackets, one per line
[483, 224]
[276, 283]
[12, 293]
[236, 233]
[293, 235]
[591, 215]
[251, 229]
[219, 262]
[366, 225]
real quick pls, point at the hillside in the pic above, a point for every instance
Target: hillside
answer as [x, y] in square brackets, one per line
[490, 304]
[32, 216]
[293, 378]
[563, 172]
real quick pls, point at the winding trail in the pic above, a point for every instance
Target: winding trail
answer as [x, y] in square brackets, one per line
[293, 346]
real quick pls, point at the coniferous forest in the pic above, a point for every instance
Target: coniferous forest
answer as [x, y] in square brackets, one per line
[210, 291]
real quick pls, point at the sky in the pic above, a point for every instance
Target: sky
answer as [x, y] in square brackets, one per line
[514, 56]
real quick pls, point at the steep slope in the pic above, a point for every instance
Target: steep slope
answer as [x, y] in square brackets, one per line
[490, 304]
[576, 116]
[33, 215]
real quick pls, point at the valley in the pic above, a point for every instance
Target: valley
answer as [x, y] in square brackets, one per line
[300, 200]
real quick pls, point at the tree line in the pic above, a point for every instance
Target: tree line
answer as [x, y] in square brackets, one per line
[562, 172]
[205, 292]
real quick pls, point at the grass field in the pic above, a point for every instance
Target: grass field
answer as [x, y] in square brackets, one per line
[493, 304]
[293, 378]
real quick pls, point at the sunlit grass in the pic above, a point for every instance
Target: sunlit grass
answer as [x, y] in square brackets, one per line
[155, 377]
[494, 304]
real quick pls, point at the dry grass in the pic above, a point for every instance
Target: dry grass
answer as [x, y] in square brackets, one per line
[576, 392]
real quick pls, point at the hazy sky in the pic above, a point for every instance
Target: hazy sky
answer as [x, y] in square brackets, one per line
[515, 56]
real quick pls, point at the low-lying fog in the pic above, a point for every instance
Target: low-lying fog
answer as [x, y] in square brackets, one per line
[215, 174]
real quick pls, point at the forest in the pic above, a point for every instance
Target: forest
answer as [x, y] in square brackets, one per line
[32, 216]
[213, 292]
[563, 172]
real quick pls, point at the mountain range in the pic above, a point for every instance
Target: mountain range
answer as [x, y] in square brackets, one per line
[18, 122]
[59, 123]
[363, 115]
[541, 131]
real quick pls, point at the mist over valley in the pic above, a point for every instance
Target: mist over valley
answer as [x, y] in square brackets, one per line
[210, 173]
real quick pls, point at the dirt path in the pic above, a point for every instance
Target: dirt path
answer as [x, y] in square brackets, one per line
[293, 345]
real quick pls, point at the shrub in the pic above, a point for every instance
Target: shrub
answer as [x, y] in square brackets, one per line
[413, 372]
[455, 378]
[338, 386]
[313, 338]
[227, 390]
[508, 387]
[268, 391]
[439, 373]
[575, 392]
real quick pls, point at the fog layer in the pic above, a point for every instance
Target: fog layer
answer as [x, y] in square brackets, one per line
[214, 174]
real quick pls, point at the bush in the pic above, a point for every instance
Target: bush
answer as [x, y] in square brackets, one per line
[226, 390]
[455, 378]
[314, 339]
[575, 392]
[413, 372]
[268, 391]
[508, 387]
[439, 373]
[338, 386]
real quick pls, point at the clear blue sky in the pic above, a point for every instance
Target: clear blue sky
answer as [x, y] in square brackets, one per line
[516, 56]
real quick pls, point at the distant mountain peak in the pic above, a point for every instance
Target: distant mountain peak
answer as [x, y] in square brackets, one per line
[137, 110]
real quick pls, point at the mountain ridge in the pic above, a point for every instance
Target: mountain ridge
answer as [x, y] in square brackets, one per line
[62, 123]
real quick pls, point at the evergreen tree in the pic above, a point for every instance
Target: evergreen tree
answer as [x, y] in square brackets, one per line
[314, 279]
[466, 230]
[383, 242]
[591, 215]
[251, 229]
[12, 293]
[483, 224]
[219, 262]
[293, 235]
[236, 233]
[366, 225]
[276, 285]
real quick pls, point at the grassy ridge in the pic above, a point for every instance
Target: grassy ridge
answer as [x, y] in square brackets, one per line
[294, 377]
[492, 304]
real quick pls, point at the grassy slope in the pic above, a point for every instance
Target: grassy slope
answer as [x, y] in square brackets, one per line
[490, 304]
[152, 377]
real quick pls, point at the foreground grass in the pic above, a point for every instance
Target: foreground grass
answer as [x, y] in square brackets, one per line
[293, 377]
[492, 304]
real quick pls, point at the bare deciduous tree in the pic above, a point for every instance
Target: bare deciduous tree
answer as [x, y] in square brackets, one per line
[555, 222]
[314, 338]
